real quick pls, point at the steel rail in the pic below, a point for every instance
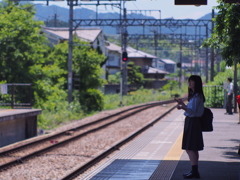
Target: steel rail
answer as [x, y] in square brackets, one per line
[76, 128]
[115, 147]
[31, 155]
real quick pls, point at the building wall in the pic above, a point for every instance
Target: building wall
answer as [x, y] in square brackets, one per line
[113, 71]
[154, 76]
[99, 42]
[113, 63]
[170, 68]
[142, 62]
[113, 59]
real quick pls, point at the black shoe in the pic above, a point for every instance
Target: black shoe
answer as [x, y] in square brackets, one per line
[225, 113]
[191, 176]
[230, 113]
[185, 174]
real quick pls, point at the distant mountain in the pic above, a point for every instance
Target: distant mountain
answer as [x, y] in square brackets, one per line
[207, 16]
[48, 13]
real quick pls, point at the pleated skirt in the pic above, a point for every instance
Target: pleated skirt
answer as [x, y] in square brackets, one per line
[192, 134]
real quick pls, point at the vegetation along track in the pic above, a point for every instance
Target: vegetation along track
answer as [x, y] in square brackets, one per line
[41, 148]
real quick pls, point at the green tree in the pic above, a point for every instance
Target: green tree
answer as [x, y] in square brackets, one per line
[114, 78]
[21, 43]
[134, 74]
[226, 33]
[87, 66]
[226, 36]
[50, 78]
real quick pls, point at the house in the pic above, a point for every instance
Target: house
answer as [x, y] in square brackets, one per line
[114, 58]
[154, 77]
[158, 64]
[94, 36]
[188, 67]
[169, 65]
[145, 61]
[140, 58]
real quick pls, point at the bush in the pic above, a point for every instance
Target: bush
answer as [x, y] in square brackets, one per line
[92, 100]
[114, 79]
[170, 85]
[61, 114]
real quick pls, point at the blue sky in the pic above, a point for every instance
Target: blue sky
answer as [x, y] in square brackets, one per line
[166, 7]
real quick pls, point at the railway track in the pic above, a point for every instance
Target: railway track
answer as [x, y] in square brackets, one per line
[19, 155]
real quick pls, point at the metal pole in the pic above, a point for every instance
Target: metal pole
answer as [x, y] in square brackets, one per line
[12, 103]
[121, 83]
[124, 49]
[121, 63]
[31, 101]
[70, 48]
[206, 68]
[235, 85]
[212, 52]
[180, 73]
[155, 42]
[192, 48]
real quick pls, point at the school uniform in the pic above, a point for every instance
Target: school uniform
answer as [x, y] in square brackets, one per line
[192, 133]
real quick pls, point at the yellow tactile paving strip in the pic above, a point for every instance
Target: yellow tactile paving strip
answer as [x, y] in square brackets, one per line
[175, 153]
[2, 110]
[166, 168]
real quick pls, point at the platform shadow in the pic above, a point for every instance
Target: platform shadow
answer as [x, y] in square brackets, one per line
[210, 170]
[145, 169]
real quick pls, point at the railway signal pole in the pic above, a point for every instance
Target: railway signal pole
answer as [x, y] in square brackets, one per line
[124, 61]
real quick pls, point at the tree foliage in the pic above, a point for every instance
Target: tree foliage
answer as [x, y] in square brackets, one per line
[27, 58]
[21, 43]
[134, 74]
[114, 78]
[87, 67]
[226, 35]
[50, 78]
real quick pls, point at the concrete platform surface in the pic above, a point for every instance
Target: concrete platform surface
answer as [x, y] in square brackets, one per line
[220, 159]
[157, 153]
[11, 114]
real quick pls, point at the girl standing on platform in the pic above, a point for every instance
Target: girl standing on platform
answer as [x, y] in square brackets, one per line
[192, 140]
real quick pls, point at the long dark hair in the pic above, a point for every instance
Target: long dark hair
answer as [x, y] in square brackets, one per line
[198, 87]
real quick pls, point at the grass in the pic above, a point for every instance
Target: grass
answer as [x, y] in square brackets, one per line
[66, 113]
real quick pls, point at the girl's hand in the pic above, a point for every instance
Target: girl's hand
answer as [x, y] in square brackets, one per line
[179, 101]
[176, 100]
[179, 107]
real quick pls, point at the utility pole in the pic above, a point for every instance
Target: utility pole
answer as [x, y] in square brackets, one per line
[155, 42]
[70, 49]
[124, 49]
[123, 65]
[235, 85]
[180, 68]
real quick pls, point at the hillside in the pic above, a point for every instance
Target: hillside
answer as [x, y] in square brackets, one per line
[47, 13]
